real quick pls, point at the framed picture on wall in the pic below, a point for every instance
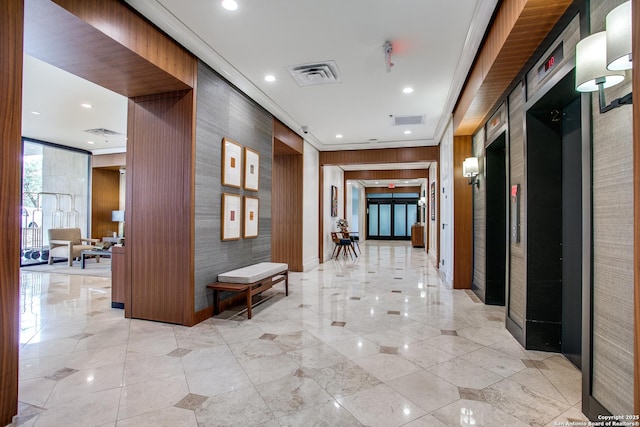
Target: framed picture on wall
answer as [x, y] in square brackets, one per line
[230, 216]
[251, 169]
[433, 201]
[251, 208]
[231, 163]
[334, 201]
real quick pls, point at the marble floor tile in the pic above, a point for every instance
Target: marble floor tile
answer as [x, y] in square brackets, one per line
[151, 396]
[355, 347]
[329, 414]
[424, 355]
[266, 369]
[82, 363]
[296, 340]
[474, 413]
[523, 403]
[429, 391]
[344, 379]
[152, 368]
[86, 410]
[289, 395]
[455, 345]
[463, 373]
[387, 367]
[167, 417]
[381, 406]
[495, 361]
[85, 382]
[244, 407]
[36, 392]
[254, 349]
[536, 381]
[317, 356]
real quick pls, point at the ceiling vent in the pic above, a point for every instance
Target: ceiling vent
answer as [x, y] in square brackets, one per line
[318, 73]
[407, 120]
[102, 132]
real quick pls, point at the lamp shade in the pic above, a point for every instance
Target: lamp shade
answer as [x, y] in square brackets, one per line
[470, 167]
[591, 64]
[117, 216]
[619, 38]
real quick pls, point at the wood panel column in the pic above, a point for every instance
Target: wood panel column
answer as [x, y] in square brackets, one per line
[287, 197]
[462, 216]
[11, 37]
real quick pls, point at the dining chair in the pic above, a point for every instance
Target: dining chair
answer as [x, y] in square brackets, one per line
[341, 245]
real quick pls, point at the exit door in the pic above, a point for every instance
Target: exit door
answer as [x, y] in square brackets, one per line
[391, 219]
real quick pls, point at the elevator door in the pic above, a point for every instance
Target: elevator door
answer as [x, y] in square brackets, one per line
[572, 233]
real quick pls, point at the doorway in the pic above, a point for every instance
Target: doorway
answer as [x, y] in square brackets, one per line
[554, 222]
[496, 221]
[390, 216]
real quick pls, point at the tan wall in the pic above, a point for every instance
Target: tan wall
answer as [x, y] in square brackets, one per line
[612, 244]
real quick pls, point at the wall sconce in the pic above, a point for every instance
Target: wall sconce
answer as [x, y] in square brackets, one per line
[470, 170]
[602, 57]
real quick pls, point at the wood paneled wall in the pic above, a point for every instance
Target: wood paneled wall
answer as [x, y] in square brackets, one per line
[636, 208]
[462, 216]
[289, 141]
[387, 174]
[11, 22]
[159, 214]
[383, 190]
[381, 155]
[287, 197]
[105, 197]
[147, 64]
[516, 32]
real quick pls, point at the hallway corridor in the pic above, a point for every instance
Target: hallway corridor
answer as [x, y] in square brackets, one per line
[379, 341]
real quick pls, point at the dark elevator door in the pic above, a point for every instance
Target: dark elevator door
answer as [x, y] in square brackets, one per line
[496, 222]
[572, 233]
[554, 222]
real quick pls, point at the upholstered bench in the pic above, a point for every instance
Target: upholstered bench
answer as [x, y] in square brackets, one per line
[251, 280]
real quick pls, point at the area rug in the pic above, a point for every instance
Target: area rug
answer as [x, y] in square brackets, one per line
[92, 268]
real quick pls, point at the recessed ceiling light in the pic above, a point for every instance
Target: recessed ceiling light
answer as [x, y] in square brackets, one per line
[338, 136]
[270, 78]
[90, 142]
[229, 4]
[37, 113]
[407, 132]
[377, 182]
[407, 90]
[85, 105]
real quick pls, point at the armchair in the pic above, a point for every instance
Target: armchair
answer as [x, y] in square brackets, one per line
[67, 243]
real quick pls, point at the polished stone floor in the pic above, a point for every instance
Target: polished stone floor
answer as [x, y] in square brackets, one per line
[379, 341]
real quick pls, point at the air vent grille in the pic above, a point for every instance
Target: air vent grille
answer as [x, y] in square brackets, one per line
[102, 132]
[408, 120]
[317, 73]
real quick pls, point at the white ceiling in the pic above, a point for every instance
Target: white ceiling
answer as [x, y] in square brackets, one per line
[58, 97]
[434, 43]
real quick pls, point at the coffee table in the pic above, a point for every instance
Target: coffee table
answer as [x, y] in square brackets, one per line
[93, 252]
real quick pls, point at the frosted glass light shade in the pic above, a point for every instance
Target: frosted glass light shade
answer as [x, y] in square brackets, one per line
[470, 167]
[619, 38]
[591, 64]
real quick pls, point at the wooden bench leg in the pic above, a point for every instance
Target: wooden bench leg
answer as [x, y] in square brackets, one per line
[249, 303]
[216, 302]
[286, 283]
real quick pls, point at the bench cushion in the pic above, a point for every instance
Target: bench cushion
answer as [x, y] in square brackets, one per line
[253, 273]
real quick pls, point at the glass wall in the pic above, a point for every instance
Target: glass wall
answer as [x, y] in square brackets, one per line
[55, 194]
[391, 215]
